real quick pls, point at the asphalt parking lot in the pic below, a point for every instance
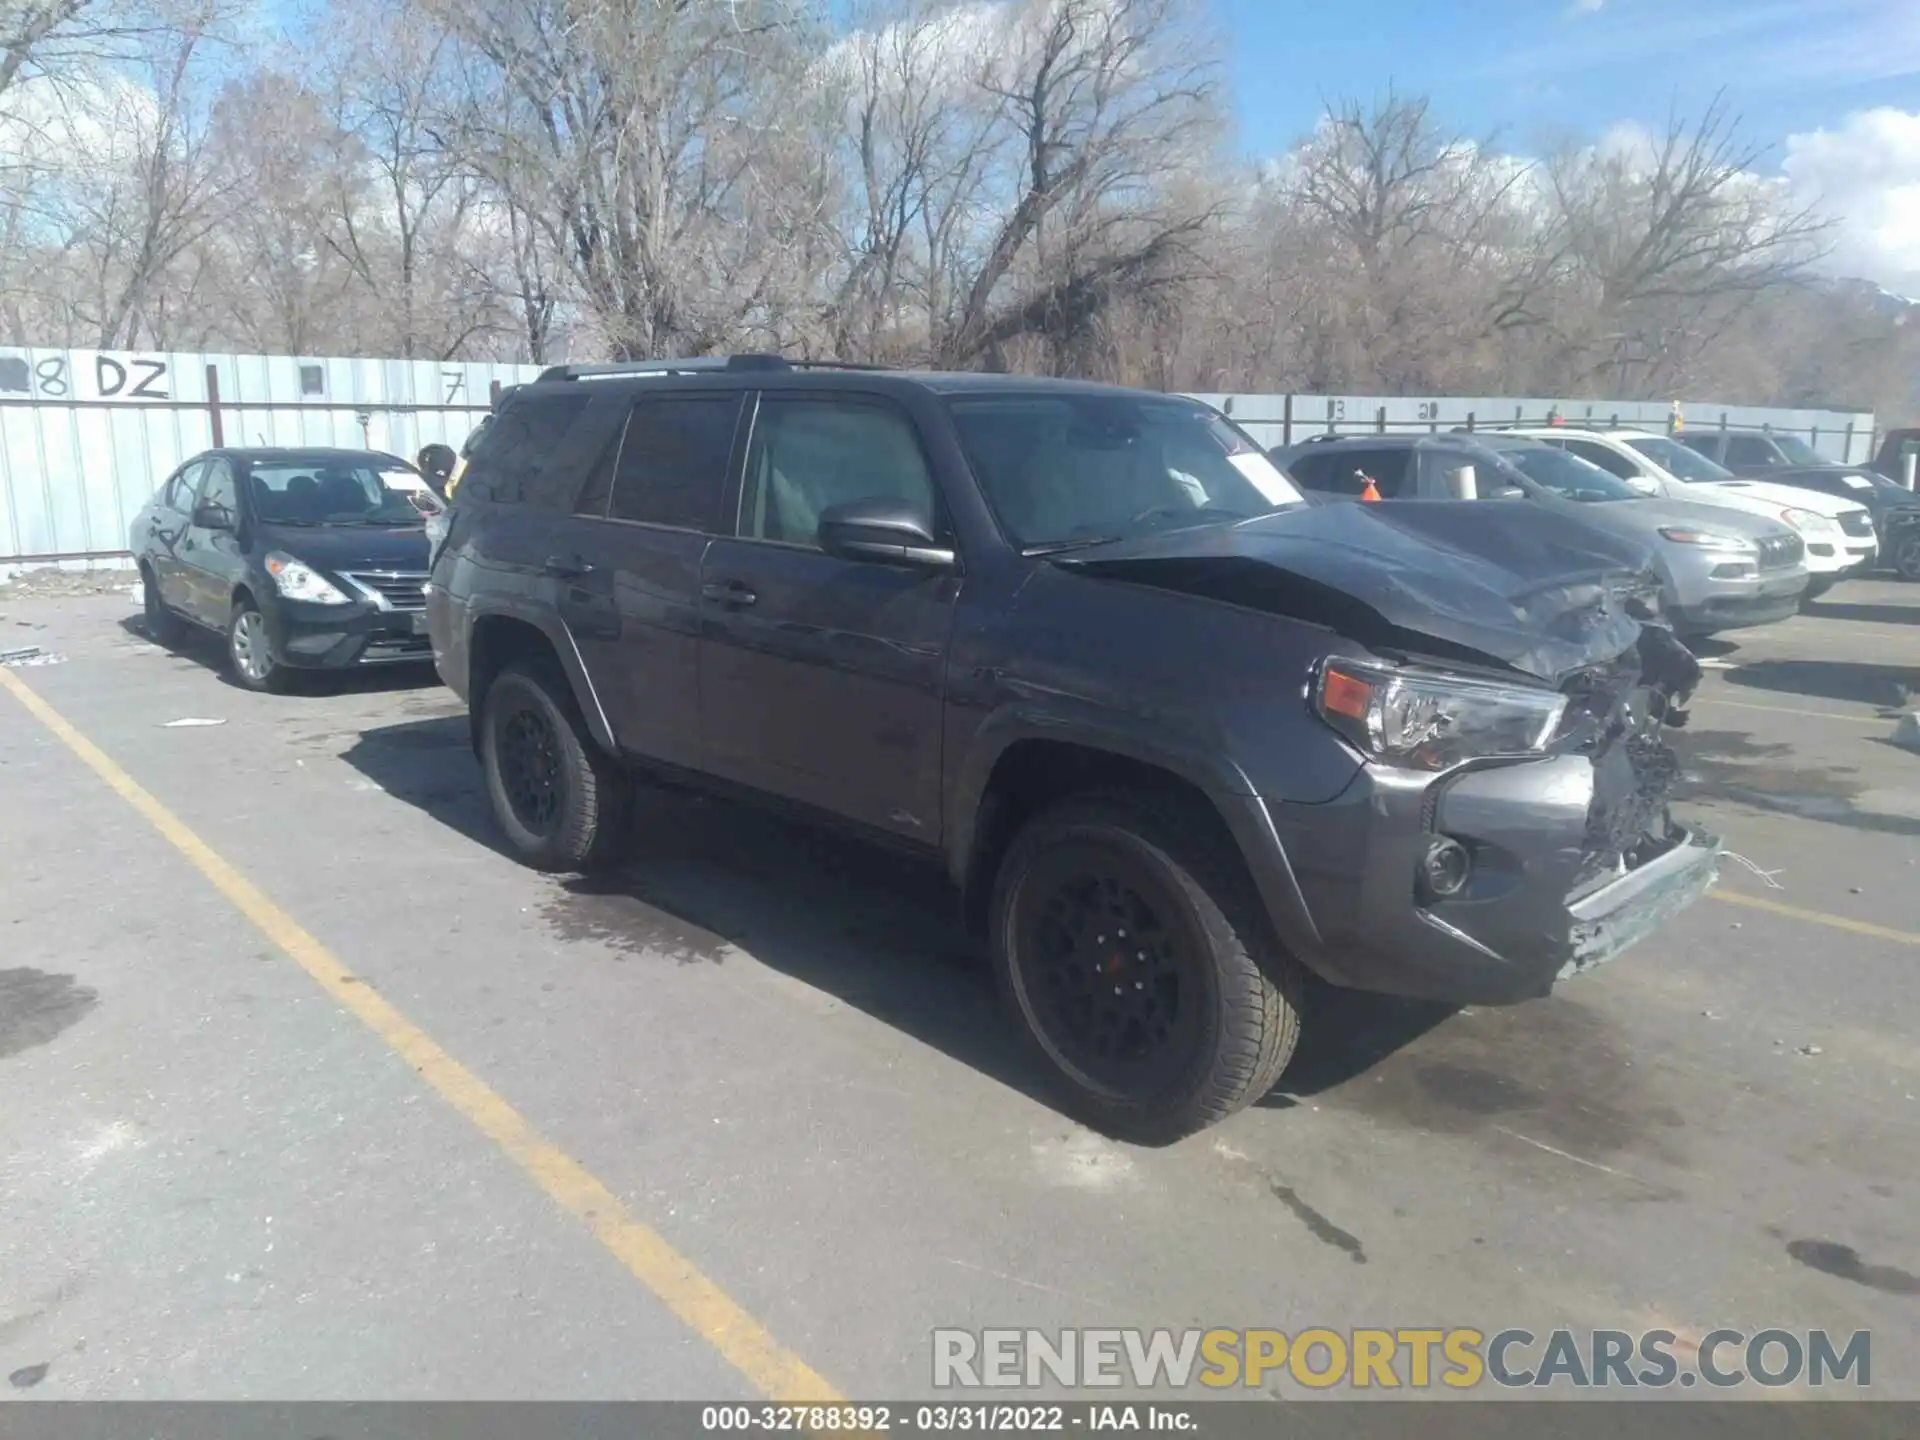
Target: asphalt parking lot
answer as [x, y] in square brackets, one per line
[306, 1091]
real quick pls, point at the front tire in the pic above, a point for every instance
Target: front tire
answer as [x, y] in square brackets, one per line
[560, 799]
[162, 624]
[250, 656]
[1137, 964]
[1906, 554]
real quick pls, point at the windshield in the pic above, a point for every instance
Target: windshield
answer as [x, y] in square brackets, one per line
[1679, 461]
[294, 492]
[1568, 475]
[1798, 451]
[1078, 469]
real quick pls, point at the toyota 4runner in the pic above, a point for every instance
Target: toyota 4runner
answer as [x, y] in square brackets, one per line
[1179, 739]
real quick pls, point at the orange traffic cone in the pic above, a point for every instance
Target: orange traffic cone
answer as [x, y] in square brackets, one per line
[1369, 491]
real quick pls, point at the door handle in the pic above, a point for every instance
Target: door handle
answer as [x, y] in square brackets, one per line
[566, 567]
[727, 592]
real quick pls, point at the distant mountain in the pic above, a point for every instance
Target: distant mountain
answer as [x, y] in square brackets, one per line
[1902, 308]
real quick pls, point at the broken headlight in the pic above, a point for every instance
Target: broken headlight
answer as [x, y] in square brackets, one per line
[1432, 720]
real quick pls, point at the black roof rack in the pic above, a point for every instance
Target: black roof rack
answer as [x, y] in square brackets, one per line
[697, 365]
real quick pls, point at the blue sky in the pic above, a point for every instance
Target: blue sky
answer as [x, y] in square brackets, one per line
[1832, 87]
[1534, 69]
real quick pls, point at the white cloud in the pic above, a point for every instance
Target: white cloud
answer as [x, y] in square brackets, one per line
[1586, 7]
[1866, 172]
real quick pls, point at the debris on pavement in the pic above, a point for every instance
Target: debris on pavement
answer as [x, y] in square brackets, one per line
[1765, 875]
[1907, 732]
[26, 655]
[1809, 1050]
[190, 722]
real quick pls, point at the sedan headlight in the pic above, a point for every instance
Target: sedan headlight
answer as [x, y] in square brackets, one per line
[298, 580]
[1810, 522]
[1430, 720]
[1708, 540]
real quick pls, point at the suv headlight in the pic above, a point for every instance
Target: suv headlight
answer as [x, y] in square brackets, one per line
[1810, 522]
[298, 580]
[1431, 720]
[1708, 540]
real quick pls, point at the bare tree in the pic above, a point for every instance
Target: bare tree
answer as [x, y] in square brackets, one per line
[1668, 246]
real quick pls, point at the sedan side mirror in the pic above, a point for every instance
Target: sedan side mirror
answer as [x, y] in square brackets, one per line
[209, 515]
[889, 532]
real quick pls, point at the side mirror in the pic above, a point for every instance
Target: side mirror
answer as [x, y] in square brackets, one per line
[1507, 492]
[209, 515]
[889, 532]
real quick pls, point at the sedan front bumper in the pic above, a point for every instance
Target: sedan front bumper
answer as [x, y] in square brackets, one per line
[337, 637]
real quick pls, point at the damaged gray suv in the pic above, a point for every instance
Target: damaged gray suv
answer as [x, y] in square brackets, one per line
[1180, 740]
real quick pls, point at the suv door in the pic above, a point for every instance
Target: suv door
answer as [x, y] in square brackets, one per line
[626, 563]
[822, 680]
[167, 521]
[211, 559]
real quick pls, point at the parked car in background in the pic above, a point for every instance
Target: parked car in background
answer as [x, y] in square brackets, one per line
[1838, 533]
[1789, 460]
[303, 559]
[1899, 451]
[1720, 569]
[1178, 738]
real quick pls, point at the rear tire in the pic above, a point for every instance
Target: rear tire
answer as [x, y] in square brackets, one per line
[162, 624]
[1137, 964]
[562, 801]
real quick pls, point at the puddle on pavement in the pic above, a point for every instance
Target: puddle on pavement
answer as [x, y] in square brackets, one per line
[1843, 1262]
[1729, 765]
[1552, 1070]
[36, 1006]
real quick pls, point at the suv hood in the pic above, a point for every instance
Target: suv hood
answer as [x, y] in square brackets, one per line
[1730, 493]
[1525, 587]
[1641, 519]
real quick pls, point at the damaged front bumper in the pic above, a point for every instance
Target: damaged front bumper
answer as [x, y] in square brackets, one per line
[1343, 879]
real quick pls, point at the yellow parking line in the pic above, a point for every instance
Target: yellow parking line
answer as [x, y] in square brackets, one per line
[704, 1307]
[1816, 917]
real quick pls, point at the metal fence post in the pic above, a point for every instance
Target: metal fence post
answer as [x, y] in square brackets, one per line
[1380, 420]
[1286, 420]
[213, 407]
[1848, 457]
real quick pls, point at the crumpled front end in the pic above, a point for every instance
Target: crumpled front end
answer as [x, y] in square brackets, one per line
[1571, 858]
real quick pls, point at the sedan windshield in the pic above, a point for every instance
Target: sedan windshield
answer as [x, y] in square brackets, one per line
[1568, 475]
[1065, 470]
[295, 493]
[1678, 460]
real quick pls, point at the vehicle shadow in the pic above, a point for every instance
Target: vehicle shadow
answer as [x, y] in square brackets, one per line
[1857, 681]
[209, 650]
[1872, 614]
[877, 930]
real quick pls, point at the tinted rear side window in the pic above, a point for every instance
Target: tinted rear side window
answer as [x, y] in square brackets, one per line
[1749, 450]
[511, 465]
[674, 461]
[1339, 471]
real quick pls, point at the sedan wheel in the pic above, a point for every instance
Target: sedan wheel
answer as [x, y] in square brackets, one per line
[251, 651]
